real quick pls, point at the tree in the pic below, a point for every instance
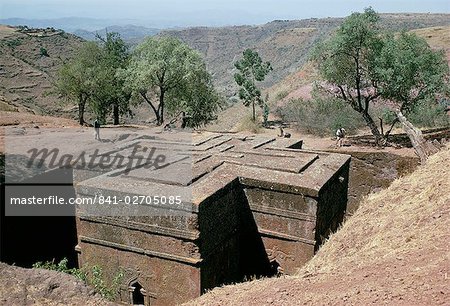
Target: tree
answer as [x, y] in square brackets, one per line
[91, 78]
[361, 64]
[266, 112]
[344, 62]
[251, 70]
[76, 79]
[43, 51]
[409, 72]
[111, 92]
[197, 99]
[166, 73]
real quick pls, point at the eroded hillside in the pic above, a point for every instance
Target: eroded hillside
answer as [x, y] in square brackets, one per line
[286, 44]
[299, 84]
[29, 61]
[283, 43]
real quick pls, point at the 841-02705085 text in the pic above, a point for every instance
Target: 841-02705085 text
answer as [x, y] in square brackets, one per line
[98, 199]
[140, 200]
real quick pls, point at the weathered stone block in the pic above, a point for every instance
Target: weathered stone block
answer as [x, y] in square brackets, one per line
[253, 206]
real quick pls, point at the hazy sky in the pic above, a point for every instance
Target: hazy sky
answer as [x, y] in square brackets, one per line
[209, 12]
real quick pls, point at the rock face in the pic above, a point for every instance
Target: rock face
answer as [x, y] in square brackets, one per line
[248, 206]
[371, 172]
[19, 286]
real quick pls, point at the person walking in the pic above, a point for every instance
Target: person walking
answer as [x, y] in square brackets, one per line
[97, 129]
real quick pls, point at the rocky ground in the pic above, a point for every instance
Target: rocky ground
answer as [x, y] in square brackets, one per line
[19, 286]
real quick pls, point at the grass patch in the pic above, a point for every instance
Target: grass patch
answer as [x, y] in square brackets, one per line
[5, 107]
[281, 95]
[247, 124]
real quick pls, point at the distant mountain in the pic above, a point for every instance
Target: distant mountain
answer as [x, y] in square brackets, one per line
[300, 83]
[130, 33]
[285, 43]
[68, 24]
[26, 73]
[87, 28]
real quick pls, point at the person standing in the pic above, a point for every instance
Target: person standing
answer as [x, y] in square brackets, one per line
[340, 135]
[97, 129]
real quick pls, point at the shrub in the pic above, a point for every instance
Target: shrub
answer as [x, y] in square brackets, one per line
[12, 43]
[429, 114]
[320, 116]
[96, 280]
[92, 276]
[61, 267]
[44, 52]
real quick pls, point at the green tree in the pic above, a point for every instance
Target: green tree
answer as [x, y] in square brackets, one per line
[344, 62]
[43, 52]
[76, 79]
[167, 73]
[251, 70]
[91, 78]
[361, 64]
[111, 92]
[408, 72]
[197, 99]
